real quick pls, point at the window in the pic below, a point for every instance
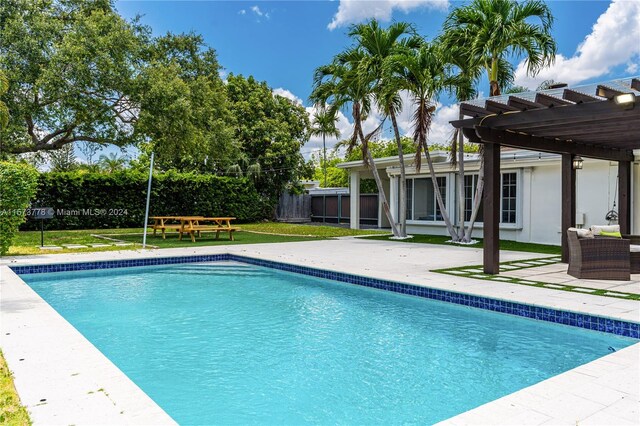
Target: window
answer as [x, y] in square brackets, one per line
[422, 203]
[509, 191]
[470, 184]
[508, 198]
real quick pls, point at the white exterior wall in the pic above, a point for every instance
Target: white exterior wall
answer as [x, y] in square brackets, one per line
[539, 197]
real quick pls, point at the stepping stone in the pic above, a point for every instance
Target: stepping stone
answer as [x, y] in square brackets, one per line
[99, 245]
[123, 244]
[478, 276]
[50, 248]
[509, 267]
[521, 265]
[501, 279]
[527, 282]
[457, 272]
[553, 285]
[584, 290]
[74, 246]
[613, 293]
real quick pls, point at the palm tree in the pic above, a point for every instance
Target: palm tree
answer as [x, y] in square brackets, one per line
[493, 30]
[324, 124]
[112, 162]
[344, 82]
[380, 46]
[424, 76]
[482, 35]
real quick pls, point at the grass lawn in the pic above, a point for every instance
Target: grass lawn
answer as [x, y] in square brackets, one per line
[28, 242]
[504, 245]
[208, 239]
[11, 412]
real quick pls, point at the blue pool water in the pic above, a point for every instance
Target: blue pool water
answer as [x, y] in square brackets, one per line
[229, 343]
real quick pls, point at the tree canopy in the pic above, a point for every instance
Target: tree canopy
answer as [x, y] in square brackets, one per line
[270, 129]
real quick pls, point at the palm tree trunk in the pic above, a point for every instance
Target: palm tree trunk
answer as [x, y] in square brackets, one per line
[441, 206]
[402, 210]
[324, 154]
[476, 202]
[493, 78]
[460, 181]
[368, 160]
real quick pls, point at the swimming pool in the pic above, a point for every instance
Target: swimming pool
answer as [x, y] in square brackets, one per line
[228, 342]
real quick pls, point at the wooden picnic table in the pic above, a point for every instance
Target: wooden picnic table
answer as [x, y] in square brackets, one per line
[192, 225]
[163, 223]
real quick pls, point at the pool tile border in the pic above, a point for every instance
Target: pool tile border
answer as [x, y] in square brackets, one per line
[575, 319]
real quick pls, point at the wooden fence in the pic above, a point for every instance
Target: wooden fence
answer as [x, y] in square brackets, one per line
[326, 208]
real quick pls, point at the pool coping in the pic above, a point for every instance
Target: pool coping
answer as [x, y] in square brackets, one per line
[550, 387]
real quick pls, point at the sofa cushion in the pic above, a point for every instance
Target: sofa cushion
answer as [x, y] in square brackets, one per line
[597, 229]
[635, 248]
[582, 233]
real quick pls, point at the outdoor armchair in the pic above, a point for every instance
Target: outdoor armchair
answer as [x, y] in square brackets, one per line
[598, 258]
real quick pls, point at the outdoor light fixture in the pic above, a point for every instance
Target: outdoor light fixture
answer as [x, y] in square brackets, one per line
[626, 100]
[577, 162]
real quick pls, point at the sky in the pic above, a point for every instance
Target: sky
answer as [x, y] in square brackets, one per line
[282, 42]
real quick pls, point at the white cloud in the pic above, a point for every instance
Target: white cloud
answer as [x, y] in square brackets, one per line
[287, 94]
[260, 13]
[242, 12]
[614, 40]
[350, 11]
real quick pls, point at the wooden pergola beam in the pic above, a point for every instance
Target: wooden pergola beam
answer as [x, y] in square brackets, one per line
[534, 143]
[578, 97]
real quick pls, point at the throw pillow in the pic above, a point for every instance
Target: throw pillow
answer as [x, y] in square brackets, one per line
[597, 229]
[611, 234]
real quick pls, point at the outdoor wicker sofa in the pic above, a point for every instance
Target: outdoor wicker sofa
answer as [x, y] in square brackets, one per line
[599, 258]
[635, 252]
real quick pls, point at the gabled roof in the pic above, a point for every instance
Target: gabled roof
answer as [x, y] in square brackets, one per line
[584, 120]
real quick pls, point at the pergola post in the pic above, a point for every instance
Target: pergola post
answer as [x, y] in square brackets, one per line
[624, 196]
[568, 202]
[491, 208]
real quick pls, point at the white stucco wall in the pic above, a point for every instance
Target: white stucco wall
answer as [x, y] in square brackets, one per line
[539, 198]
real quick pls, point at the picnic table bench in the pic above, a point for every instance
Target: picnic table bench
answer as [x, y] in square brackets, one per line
[193, 225]
[163, 223]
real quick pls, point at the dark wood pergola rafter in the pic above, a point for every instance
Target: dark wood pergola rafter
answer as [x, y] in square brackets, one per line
[583, 121]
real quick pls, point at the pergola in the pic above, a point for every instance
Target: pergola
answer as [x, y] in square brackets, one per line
[597, 121]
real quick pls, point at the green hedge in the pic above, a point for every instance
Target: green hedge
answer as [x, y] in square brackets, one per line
[84, 200]
[17, 188]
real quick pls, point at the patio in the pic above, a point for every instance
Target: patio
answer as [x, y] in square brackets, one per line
[604, 391]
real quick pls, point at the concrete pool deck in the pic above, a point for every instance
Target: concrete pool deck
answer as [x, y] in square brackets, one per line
[59, 365]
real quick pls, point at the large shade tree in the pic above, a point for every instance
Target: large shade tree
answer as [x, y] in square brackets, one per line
[270, 130]
[72, 66]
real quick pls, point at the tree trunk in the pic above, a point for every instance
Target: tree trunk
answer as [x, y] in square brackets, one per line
[441, 206]
[324, 154]
[460, 181]
[402, 210]
[493, 78]
[372, 167]
[476, 202]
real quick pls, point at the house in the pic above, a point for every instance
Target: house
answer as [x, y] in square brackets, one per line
[530, 199]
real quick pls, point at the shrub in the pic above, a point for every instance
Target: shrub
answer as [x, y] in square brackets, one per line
[18, 184]
[83, 200]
